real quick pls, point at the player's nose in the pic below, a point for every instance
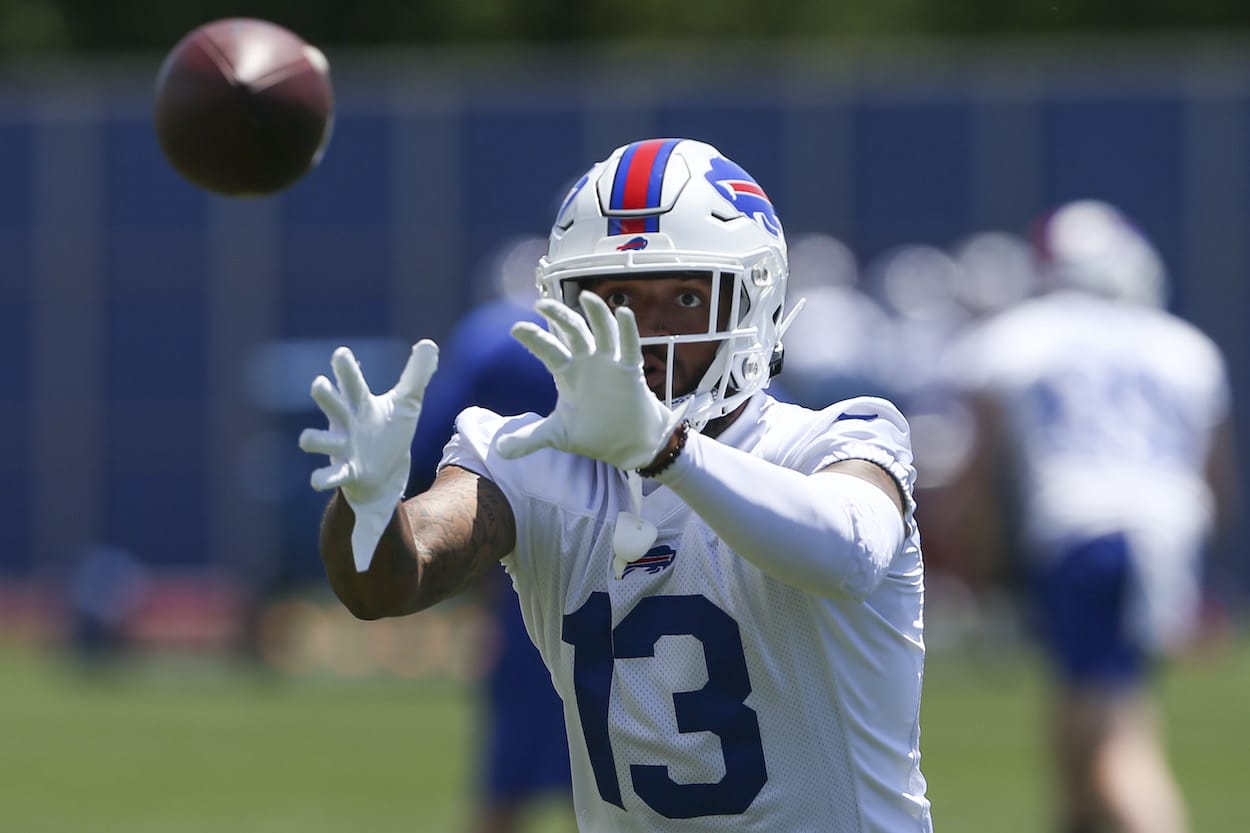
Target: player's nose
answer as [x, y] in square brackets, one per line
[651, 319]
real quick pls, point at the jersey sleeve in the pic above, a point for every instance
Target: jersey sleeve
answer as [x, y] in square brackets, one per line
[472, 445]
[862, 428]
[542, 475]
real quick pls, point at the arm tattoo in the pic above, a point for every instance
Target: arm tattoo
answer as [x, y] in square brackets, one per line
[435, 546]
[459, 528]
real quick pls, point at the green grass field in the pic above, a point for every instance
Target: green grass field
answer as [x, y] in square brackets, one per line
[984, 749]
[198, 748]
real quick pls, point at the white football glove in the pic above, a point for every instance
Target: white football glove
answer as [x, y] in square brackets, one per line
[369, 440]
[604, 408]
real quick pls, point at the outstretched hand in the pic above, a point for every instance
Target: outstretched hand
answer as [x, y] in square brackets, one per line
[604, 408]
[368, 440]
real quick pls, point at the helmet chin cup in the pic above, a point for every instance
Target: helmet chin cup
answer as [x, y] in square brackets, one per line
[699, 404]
[661, 206]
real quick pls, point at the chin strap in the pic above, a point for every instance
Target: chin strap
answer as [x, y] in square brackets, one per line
[698, 404]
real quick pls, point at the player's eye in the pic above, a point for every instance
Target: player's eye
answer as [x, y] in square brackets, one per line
[617, 299]
[690, 300]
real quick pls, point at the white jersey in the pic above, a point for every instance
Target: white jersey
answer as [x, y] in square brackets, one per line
[1111, 408]
[699, 693]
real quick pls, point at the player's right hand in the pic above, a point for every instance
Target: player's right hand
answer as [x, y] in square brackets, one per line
[368, 440]
[604, 409]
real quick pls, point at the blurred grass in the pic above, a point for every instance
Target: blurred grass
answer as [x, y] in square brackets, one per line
[194, 747]
[984, 745]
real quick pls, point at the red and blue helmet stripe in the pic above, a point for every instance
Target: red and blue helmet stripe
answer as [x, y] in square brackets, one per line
[638, 184]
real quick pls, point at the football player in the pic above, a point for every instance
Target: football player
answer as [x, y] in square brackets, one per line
[1113, 418]
[728, 590]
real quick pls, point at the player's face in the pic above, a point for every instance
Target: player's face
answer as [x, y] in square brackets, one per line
[663, 305]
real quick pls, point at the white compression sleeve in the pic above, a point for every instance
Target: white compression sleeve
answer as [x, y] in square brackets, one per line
[831, 533]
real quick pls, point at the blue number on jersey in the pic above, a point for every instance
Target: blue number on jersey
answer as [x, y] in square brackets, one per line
[719, 707]
[1109, 411]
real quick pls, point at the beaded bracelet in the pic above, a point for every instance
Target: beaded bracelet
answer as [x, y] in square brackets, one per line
[671, 452]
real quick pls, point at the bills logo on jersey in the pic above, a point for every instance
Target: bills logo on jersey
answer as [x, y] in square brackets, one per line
[744, 193]
[657, 559]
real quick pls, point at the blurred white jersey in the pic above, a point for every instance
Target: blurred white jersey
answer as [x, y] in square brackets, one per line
[699, 693]
[1111, 408]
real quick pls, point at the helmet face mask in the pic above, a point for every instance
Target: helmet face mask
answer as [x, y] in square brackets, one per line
[664, 206]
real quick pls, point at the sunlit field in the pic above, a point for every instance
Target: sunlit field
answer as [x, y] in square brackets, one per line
[196, 746]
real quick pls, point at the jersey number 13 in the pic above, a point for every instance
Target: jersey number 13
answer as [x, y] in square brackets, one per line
[719, 707]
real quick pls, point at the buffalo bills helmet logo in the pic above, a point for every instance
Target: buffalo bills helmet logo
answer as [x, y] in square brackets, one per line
[744, 193]
[634, 244]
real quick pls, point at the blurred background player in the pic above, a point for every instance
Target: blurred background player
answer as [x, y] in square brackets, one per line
[524, 755]
[919, 287]
[827, 363]
[996, 271]
[1112, 419]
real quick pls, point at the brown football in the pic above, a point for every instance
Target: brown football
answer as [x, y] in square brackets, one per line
[244, 107]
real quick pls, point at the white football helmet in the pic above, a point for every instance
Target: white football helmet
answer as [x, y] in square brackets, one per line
[677, 205]
[1091, 246]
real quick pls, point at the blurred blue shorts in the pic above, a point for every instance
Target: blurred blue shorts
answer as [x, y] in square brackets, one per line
[1081, 596]
[527, 751]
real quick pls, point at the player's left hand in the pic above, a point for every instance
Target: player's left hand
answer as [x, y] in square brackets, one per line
[604, 408]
